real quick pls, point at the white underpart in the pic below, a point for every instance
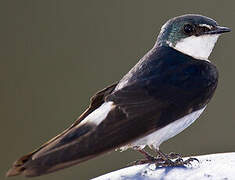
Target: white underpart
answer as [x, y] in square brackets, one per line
[199, 47]
[156, 138]
[97, 116]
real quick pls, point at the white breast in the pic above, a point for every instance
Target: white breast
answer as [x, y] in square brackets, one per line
[156, 138]
[199, 47]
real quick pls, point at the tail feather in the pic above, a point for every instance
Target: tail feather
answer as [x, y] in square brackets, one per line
[18, 166]
[22, 165]
[27, 164]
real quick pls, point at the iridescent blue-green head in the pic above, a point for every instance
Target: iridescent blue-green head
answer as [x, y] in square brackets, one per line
[191, 34]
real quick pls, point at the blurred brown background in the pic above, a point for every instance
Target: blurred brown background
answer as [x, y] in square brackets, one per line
[55, 54]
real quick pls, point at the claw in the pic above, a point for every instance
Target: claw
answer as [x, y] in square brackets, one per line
[179, 160]
[188, 161]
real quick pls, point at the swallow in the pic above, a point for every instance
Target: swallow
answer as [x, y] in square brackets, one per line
[164, 93]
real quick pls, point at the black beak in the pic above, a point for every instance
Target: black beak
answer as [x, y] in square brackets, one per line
[218, 30]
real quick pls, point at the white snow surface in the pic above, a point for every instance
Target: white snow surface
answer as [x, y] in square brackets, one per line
[219, 166]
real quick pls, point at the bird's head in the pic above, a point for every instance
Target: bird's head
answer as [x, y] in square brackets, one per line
[191, 34]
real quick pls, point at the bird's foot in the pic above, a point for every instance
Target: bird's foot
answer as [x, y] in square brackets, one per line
[167, 160]
[163, 160]
[178, 162]
[170, 156]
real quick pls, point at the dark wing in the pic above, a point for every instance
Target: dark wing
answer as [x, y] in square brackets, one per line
[140, 108]
[96, 101]
[163, 87]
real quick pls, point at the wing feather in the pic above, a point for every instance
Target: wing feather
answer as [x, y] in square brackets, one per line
[153, 96]
[97, 100]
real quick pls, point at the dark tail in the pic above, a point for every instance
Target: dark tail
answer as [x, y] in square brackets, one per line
[38, 162]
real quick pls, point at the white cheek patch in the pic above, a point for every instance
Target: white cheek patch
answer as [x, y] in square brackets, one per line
[199, 47]
[97, 116]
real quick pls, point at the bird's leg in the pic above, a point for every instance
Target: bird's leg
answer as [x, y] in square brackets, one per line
[173, 155]
[147, 155]
[164, 157]
[148, 158]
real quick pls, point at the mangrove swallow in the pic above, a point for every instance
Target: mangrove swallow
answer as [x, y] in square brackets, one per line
[164, 93]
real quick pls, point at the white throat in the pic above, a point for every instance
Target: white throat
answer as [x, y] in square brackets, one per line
[199, 47]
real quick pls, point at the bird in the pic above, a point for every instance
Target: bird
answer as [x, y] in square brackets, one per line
[164, 93]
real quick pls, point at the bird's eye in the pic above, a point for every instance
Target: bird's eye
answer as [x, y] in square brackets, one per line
[188, 29]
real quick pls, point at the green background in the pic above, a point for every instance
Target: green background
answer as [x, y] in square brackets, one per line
[55, 54]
